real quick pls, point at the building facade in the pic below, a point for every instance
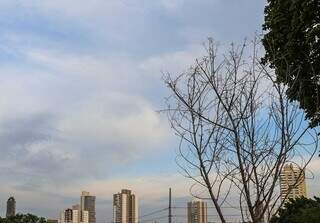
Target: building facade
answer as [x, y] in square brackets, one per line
[66, 216]
[85, 217]
[197, 212]
[125, 207]
[292, 182]
[74, 215]
[88, 203]
[11, 207]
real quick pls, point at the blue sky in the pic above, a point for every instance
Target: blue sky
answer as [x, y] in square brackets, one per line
[80, 85]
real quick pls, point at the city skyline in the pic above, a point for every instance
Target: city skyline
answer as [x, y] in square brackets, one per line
[84, 212]
[81, 89]
[125, 205]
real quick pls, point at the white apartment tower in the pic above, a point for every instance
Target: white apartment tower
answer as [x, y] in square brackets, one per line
[125, 207]
[85, 217]
[197, 212]
[67, 216]
[74, 215]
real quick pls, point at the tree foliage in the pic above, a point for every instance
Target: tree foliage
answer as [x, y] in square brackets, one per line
[292, 45]
[302, 209]
[23, 218]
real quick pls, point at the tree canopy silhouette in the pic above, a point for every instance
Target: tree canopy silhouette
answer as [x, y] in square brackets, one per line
[292, 45]
[23, 218]
[299, 210]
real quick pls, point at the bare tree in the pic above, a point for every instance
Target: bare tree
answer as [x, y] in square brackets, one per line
[237, 130]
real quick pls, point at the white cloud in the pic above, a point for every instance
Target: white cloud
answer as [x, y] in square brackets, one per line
[116, 119]
[175, 62]
[149, 188]
[80, 66]
[87, 140]
[97, 115]
[172, 4]
[79, 8]
[313, 177]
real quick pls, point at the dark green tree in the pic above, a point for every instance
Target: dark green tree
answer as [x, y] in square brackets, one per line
[292, 45]
[300, 210]
[23, 218]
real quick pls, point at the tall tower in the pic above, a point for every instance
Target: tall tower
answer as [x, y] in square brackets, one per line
[197, 212]
[73, 215]
[11, 207]
[88, 203]
[292, 182]
[76, 213]
[125, 207]
[67, 216]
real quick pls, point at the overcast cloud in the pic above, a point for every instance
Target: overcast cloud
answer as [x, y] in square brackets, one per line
[80, 87]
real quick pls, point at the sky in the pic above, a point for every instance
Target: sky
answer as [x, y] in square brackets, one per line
[80, 90]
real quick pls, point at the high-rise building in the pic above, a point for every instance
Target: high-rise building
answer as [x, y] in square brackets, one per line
[80, 215]
[73, 215]
[76, 213]
[197, 212]
[292, 182]
[85, 217]
[11, 207]
[66, 216]
[125, 207]
[87, 203]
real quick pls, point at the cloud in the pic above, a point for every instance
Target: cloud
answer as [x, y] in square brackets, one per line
[80, 85]
[313, 177]
[119, 122]
[89, 142]
[172, 4]
[18, 132]
[174, 62]
[78, 115]
[68, 8]
[148, 188]
[110, 70]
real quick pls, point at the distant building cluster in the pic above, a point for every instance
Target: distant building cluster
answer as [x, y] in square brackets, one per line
[83, 213]
[125, 203]
[125, 209]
